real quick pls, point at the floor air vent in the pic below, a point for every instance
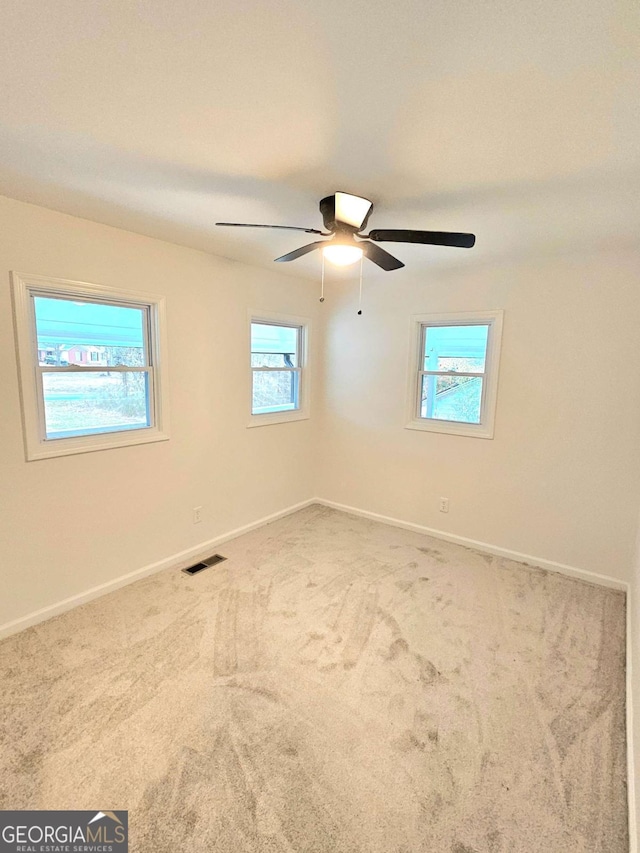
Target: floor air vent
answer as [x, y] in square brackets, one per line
[204, 564]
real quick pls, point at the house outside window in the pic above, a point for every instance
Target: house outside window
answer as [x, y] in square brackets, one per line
[454, 373]
[278, 353]
[92, 364]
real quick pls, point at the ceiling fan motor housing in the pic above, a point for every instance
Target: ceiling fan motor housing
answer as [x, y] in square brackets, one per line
[328, 211]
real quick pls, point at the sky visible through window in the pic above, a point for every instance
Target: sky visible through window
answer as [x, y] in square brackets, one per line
[65, 321]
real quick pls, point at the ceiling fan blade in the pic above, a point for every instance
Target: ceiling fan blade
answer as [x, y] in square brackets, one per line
[303, 250]
[380, 256]
[433, 238]
[284, 227]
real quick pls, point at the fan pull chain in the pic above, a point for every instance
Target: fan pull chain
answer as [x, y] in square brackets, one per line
[322, 285]
[360, 295]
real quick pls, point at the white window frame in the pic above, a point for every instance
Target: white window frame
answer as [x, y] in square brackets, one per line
[37, 446]
[419, 323]
[303, 411]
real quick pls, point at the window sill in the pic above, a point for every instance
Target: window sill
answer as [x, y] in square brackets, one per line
[104, 441]
[277, 418]
[451, 428]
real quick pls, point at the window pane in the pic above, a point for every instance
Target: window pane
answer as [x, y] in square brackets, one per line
[274, 391]
[86, 403]
[89, 334]
[280, 343]
[461, 348]
[452, 398]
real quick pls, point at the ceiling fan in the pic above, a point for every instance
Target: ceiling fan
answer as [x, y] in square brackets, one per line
[345, 217]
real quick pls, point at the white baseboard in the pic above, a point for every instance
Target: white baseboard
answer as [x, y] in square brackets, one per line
[540, 562]
[184, 556]
[175, 560]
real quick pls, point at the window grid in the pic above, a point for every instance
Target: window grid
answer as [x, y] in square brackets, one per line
[480, 374]
[82, 428]
[436, 350]
[294, 370]
[41, 370]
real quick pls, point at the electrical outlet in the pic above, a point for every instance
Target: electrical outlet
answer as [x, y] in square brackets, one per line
[197, 514]
[444, 504]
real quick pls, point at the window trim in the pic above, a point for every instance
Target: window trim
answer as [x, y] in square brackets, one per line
[36, 445]
[302, 413]
[419, 322]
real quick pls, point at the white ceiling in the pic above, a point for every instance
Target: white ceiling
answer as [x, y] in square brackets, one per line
[516, 120]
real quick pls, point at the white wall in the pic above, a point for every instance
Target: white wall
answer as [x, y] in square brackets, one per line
[70, 523]
[560, 480]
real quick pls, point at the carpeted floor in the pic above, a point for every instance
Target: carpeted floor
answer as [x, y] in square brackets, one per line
[336, 686]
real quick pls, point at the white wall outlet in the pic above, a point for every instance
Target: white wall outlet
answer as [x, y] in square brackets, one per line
[444, 504]
[197, 514]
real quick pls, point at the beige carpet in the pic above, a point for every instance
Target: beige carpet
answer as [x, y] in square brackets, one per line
[337, 686]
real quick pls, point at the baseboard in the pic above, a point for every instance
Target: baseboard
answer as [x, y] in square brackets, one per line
[174, 561]
[540, 562]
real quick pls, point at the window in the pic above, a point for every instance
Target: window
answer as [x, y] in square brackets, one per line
[278, 355]
[454, 373]
[89, 359]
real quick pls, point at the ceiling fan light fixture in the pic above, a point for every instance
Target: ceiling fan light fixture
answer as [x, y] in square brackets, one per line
[341, 255]
[351, 209]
